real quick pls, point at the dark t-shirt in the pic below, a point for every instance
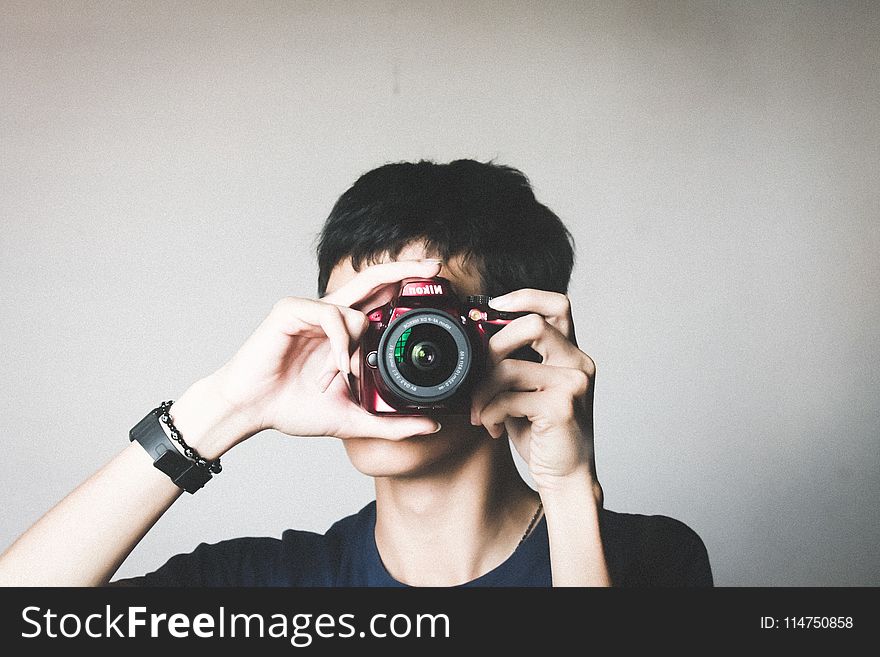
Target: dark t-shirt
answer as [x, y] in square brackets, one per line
[640, 550]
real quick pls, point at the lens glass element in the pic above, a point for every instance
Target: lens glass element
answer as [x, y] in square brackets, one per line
[425, 355]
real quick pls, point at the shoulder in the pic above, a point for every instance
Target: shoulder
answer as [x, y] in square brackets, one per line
[647, 527]
[298, 558]
[246, 561]
[653, 550]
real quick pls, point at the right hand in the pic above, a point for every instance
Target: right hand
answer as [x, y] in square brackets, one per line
[288, 375]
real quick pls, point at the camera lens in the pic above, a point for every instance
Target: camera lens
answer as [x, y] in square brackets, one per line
[425, 355]
[419, 355]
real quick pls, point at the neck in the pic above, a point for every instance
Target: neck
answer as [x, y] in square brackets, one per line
[456, 523]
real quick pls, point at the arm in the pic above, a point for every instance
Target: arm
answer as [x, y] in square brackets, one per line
[85, 537]
[284, 377]
[577, 557]
[547, 411]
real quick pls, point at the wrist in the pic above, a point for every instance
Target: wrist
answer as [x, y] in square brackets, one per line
[580, 484]
[207, 421]
[573, 511]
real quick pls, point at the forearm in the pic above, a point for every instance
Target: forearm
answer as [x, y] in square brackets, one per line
[85, 537]
[571, 507]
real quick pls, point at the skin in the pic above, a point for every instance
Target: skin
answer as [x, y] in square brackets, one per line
[450, 503]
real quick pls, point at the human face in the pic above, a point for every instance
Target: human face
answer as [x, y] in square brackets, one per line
[418, 455]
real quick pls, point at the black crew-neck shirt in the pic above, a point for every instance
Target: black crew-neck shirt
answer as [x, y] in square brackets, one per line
[640, 550]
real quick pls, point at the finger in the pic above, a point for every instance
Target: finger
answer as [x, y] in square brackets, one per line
[553, 306]
[297, 316]
[355, 321]
[534, 331]
[529, 405]
[535, 389]
[334, 327]
[360, 424]
[370, 279]
[515, 375]
[355, 362]
[294, 315]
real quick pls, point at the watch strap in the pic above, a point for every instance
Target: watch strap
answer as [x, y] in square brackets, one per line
[184, 472]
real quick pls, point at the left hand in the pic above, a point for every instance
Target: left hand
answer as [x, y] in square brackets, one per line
[545, 408]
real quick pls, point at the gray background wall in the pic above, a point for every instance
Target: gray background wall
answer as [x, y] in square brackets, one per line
[165, 166]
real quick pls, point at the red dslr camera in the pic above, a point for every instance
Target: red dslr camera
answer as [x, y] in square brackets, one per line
[424, 349]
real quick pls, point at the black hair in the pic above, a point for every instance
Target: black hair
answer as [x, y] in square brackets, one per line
[484, 212]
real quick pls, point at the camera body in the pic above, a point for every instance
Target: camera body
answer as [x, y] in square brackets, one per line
[424, 349]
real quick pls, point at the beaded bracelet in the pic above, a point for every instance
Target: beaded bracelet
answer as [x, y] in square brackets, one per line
[162, 413]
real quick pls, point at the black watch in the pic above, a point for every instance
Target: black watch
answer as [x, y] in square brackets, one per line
[185, 473]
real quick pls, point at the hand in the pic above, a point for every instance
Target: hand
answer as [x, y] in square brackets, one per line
[286, 375]
[545, 408]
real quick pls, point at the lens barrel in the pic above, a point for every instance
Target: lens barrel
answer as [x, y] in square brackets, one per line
[425, 355]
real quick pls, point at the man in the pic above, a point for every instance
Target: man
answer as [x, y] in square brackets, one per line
[450, 506]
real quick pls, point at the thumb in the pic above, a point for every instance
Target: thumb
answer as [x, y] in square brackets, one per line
[361, 424]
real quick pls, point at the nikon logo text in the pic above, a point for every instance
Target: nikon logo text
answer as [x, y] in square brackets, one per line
[421, 290]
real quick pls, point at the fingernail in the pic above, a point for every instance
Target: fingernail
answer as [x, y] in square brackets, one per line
[433, 261]
[326, 378]
[428, 433]
[498, 303]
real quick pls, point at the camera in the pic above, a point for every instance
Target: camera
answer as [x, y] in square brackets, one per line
[423, 351]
